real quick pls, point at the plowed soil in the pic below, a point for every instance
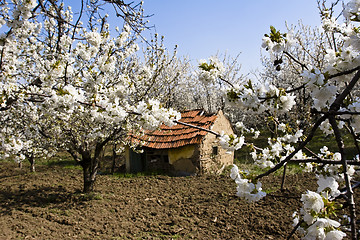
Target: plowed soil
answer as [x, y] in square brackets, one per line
[48, 204]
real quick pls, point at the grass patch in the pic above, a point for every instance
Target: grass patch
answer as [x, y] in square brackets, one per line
[242, 156]
[58, 211]
[90, 196]
[321, 140]
[68, 164]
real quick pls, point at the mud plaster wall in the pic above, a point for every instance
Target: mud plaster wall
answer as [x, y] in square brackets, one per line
[183, 152]
[209, 162]
[185, 159]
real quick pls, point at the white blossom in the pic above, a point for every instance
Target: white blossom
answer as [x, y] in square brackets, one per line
[312, 201]
[246, 189]
[94, 38]
[335, 235]
[231, 142]
[328, 183]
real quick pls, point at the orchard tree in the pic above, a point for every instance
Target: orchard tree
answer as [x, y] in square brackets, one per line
[329, 73]
[163, 70]
[209, 95]
[188, 93]
[282, 69]
[81, 80]
[22, 137]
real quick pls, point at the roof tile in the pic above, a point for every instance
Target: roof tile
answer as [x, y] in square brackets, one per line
[178, 135]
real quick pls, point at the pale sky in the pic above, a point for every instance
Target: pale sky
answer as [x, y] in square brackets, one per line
[201, 28]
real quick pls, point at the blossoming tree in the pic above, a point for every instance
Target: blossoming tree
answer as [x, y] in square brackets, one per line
[331, 84]
[77, 83]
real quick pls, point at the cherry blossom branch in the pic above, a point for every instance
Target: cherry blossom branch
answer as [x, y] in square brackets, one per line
[350, 193]
[323, 161]
[303, 66]
[197, 127]
[226, 81]
[313, 154]
[344, 72]
[294, 229]
[291, 155]
[335, 112]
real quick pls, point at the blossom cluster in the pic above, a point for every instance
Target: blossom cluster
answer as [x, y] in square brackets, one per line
[319, 208]
[332, 170]
[278, 148]
[245, 188]
[210, 70]
[276, 42]
[231, 142]
[152, 114]
[240, 126]
[77, 85]
[323, 93]
[259, 98]
[315, 214]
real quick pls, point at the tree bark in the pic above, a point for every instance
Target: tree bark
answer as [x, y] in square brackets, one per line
[349, 190]
[90, 163]
[113, 159]
[283, 178]
[89, 180]
[90, 167]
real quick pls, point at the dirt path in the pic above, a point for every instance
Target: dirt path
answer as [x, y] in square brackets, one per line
[48, 205]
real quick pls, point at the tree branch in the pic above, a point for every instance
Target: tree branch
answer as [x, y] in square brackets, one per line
[291, 155]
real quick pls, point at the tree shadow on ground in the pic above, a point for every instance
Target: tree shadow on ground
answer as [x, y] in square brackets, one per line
[39, 197]
[11, 172]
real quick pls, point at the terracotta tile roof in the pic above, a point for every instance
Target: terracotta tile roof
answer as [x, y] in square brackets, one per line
[178, 135]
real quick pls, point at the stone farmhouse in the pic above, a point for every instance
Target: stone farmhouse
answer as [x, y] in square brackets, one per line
[183, 149]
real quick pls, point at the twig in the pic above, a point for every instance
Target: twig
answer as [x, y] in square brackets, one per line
[197, 127]
[303, 66]
[344, 72]
[335, 112]
[324, 161]
[294, 229]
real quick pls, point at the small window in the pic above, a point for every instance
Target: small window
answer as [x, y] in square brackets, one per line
[215, 150]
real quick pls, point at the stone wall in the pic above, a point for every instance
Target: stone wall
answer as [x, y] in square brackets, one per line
[213, 158]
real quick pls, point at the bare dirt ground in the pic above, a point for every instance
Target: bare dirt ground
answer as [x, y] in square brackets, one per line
[48, 205]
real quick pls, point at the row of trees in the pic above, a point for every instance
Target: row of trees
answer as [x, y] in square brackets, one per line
[70, 86]
[71, 82]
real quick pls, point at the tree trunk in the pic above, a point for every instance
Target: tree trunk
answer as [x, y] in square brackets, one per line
[32, 163]
[89, 181]
[90, 167]
[283, 178]
[113, 159]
